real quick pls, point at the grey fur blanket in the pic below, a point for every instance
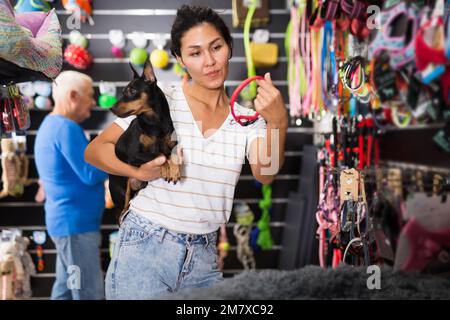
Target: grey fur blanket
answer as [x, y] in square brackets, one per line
[313, 282]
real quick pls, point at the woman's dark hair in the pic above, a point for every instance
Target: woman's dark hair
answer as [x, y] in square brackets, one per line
[191, 16]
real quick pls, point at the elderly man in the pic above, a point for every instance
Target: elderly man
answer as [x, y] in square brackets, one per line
[74, 190]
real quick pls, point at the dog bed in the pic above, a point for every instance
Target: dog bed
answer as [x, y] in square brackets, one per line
[30, 41]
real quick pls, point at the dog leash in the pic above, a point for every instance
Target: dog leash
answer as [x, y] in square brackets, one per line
[327, 217]
[250, 93]
[316, 75]
[305, 49]
[295, 64]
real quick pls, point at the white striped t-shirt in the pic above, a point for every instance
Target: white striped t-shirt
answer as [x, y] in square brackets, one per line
[202, 200]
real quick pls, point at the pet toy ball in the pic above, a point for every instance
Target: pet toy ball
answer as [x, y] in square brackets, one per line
[138, 56]
[107, 97]
[106, 102]
[139, 39]
[243, 120]
[118, 41]
[159, 58]
[225, 246]
[117, 52]
[43, 88]
[42, 103]
[75, 37]
[77, 56]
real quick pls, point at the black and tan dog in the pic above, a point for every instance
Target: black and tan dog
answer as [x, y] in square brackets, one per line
[149, 135]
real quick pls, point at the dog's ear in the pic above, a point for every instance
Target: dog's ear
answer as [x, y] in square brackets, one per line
[135, 74]
[148, 74]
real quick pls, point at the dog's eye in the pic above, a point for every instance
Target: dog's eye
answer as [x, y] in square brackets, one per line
[131, 91]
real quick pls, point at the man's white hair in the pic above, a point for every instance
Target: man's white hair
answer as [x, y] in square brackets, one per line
[67, 81]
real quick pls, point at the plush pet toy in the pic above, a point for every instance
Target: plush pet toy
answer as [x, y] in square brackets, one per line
[6, 281]
[27, 91]
[9, 253]
[22, 287]
[17, 264]
[14, 168]
[241, 231]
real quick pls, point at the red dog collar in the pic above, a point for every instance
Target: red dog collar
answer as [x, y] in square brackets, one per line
[243, 120]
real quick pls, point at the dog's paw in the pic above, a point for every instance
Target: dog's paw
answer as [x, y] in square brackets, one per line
[165, 171]
[174, 169]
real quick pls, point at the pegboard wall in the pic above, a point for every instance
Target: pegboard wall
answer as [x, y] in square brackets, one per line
[157, 18]
[413, 145]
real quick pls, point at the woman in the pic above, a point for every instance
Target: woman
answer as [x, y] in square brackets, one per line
[167, 240]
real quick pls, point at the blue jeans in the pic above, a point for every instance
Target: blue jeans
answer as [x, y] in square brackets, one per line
[150, 261]
[78, 270]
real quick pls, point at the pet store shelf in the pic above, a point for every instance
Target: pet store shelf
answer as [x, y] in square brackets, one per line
[35, 204]
[279, 177]
[172, 60]
[106, 250]
[152, 36]
[286, 154]
[20, 204]
[429, 126]
[413, 166]
[159, 12]
[176, 83]
[273, 224]
[97, 108]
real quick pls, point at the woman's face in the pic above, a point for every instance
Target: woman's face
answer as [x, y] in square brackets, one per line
[204, 53]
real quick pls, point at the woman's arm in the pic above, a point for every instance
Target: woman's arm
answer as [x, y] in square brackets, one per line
[267, 154]
[101, 154]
